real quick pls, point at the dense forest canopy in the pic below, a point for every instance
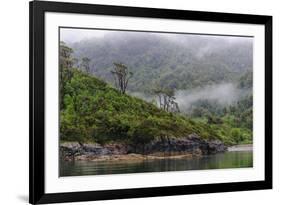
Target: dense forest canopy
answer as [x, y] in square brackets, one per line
[174, 83]
[175, 60]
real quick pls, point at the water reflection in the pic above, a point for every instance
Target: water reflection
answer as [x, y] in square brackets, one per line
[218, 161]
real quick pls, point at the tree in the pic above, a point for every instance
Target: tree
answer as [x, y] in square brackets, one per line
[166, 99]
[76, 63]
[85, 65]
[65, 56]
[237, 135]
[66, 62]
[77, 120]
[121, 76]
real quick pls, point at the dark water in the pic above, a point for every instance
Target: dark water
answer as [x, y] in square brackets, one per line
[239, 159]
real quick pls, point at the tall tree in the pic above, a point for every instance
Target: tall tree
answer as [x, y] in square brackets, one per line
[66, 62]
[65, 56]
[122, 76]
[76, 63]
[167, 99]
[85, 65]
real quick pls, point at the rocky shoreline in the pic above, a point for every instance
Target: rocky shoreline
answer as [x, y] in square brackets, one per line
[185, 147]
[241, 148]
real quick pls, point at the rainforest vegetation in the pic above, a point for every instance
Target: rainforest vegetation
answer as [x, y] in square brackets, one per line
[148, 87]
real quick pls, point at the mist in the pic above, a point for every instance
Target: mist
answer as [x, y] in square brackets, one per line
[224, 94]
[172, 59]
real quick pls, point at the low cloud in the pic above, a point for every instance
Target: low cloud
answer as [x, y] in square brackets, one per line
[224, 94]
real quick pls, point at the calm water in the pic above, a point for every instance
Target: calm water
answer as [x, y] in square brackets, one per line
[239, 159]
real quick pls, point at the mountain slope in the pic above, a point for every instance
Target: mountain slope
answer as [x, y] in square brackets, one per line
[93, 111]
[180, 62]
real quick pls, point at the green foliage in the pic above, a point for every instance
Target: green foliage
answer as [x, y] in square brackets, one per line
[66, 59]
[94, 111]
[242, 113]
[236, 135]
[85, 64]
[122, 76]
[145, 132]
[232, 123]
[246, 80]
[194, 62]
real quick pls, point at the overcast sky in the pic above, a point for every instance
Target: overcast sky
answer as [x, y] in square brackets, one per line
[75, 35]
[72, 35]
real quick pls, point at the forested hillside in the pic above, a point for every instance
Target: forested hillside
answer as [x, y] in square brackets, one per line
[92, 111]
[179, 62]
[171, 87]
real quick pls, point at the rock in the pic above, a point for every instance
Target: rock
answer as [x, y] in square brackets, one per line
[117, 148]
[95, 149]
[71, 149]
[215, 146]
[191, 144]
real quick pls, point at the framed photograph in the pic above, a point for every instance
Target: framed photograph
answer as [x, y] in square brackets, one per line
[130, 102]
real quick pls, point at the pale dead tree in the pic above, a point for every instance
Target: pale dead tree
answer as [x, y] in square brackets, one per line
[174, 107]
[121, 76]
[158, 93]
[167, 100]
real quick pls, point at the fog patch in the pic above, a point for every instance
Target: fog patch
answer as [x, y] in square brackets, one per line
[225, 94]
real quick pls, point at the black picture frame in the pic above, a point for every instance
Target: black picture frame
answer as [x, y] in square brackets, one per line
[37, 10]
